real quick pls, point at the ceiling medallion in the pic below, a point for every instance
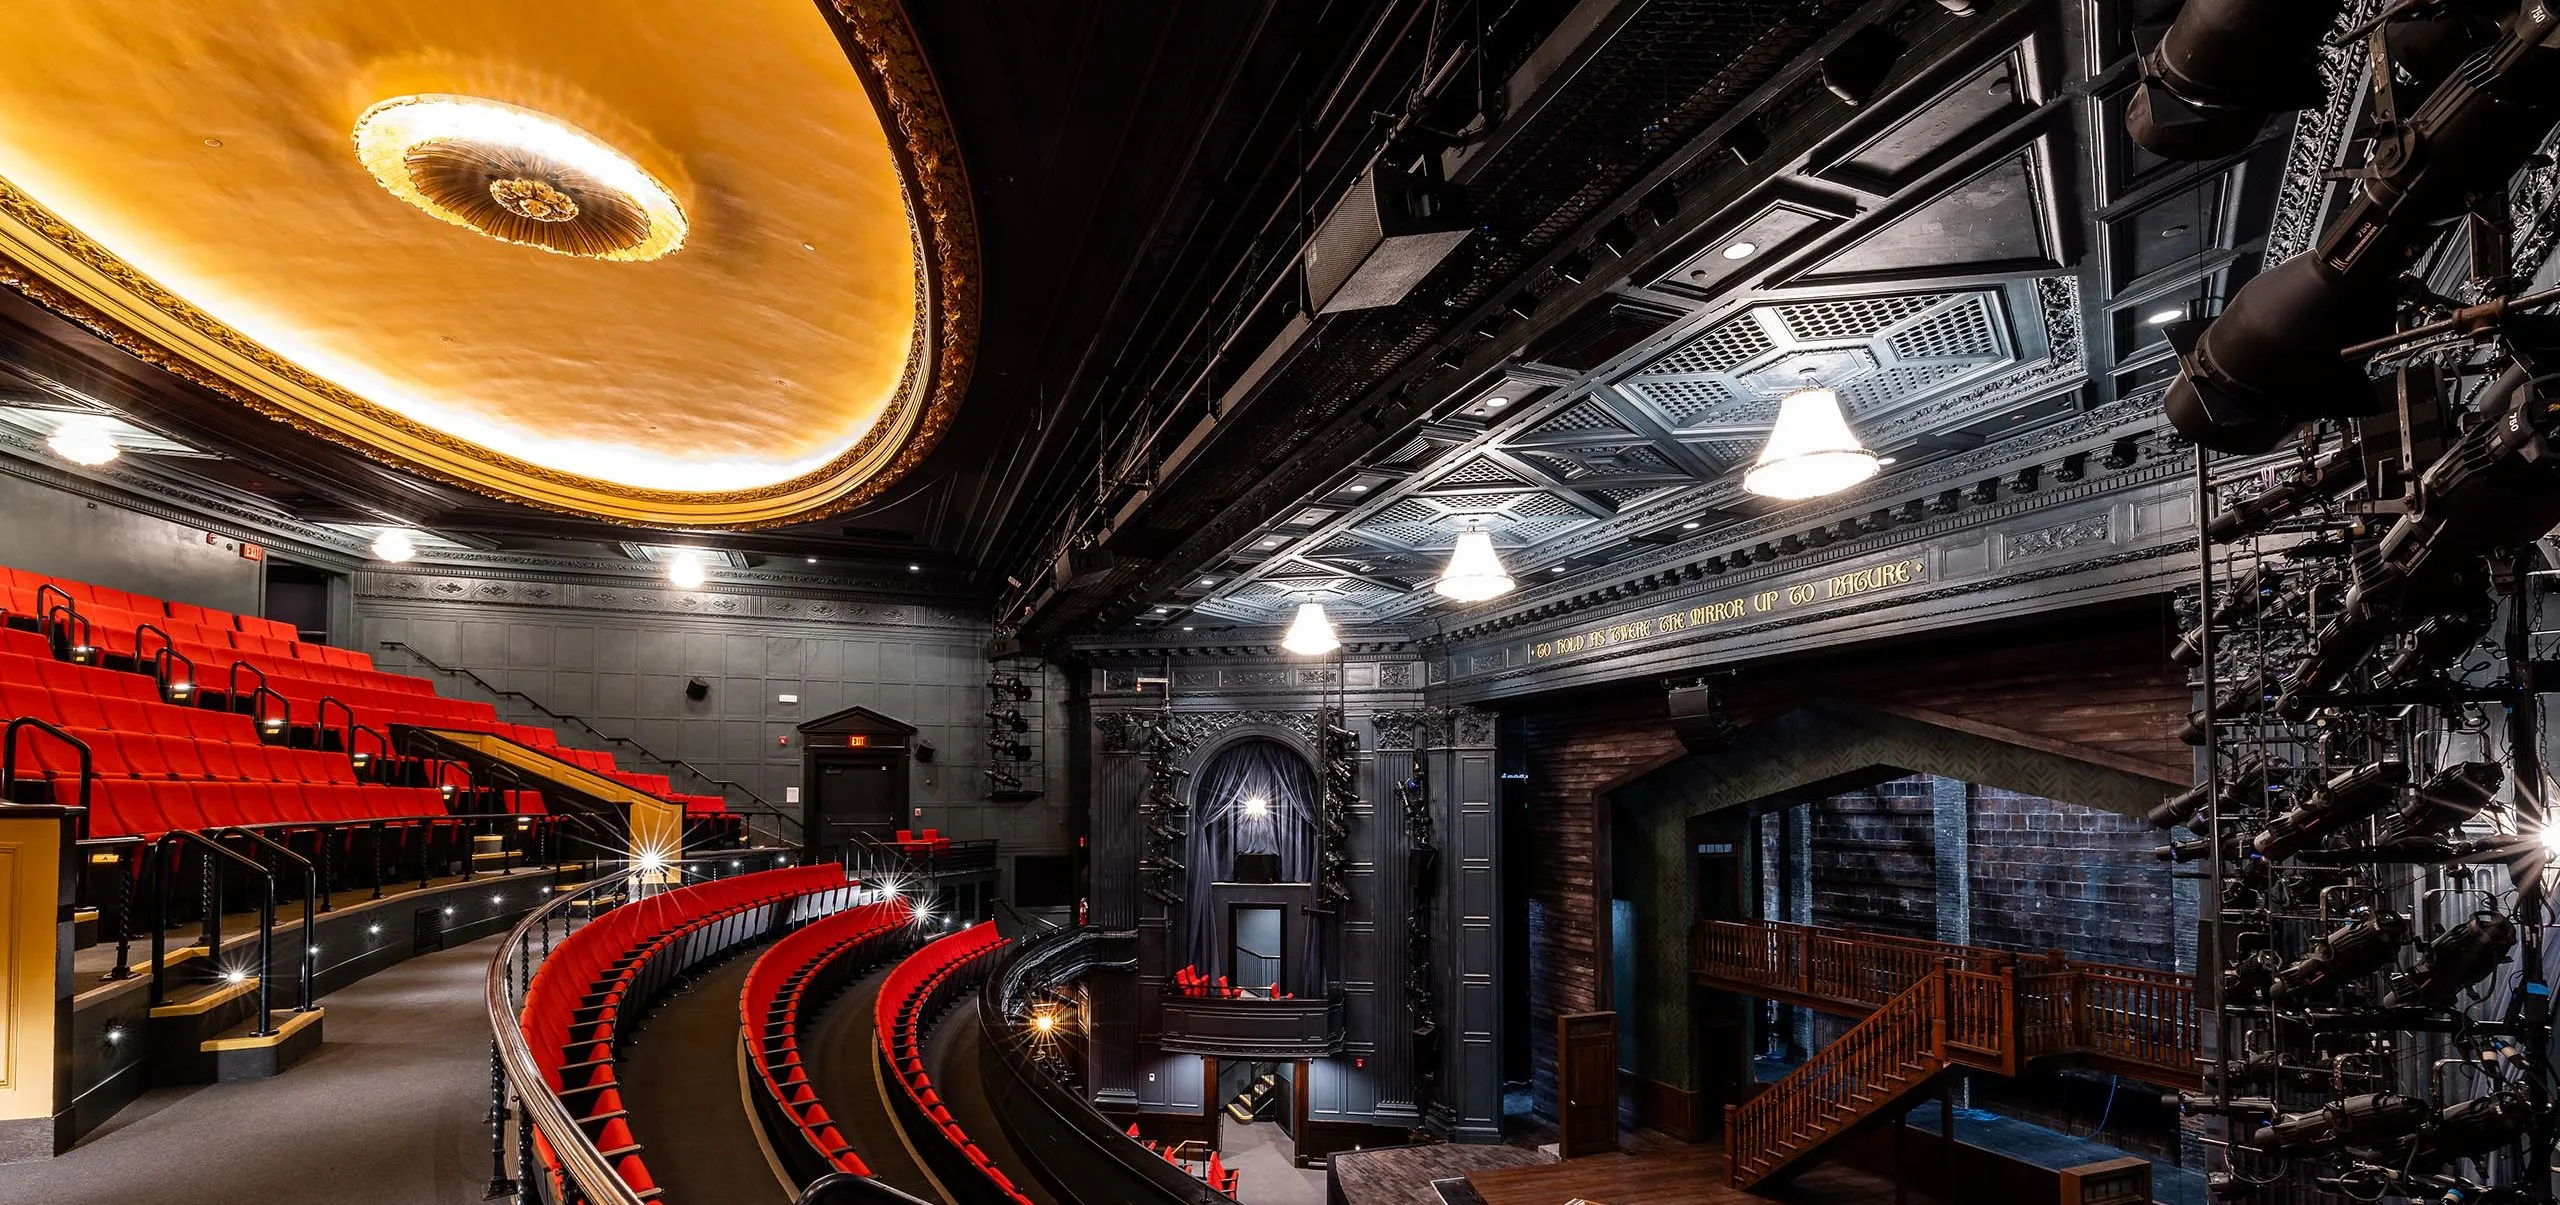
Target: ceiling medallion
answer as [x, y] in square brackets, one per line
[519, 177]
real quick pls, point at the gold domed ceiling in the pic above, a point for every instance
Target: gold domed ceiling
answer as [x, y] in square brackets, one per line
[654, 261]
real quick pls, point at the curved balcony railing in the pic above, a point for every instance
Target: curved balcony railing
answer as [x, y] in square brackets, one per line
[1051, 1123]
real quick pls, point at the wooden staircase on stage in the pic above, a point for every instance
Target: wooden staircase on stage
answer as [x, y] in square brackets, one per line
[1925, 1008]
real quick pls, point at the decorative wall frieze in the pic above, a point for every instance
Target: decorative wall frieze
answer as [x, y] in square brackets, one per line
[1130, 730]
[1421, 728]
[2076, 533]
[552, 592]
[2159, 458]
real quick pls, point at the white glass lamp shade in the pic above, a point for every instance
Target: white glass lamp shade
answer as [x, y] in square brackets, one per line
[685, 571]
[1312, 633]
[1475, 572]
[1811, 452]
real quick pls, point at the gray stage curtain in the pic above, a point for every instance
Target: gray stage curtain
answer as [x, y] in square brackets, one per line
[1221, 829]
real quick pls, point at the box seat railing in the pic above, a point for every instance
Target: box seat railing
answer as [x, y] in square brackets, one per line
[918, 990]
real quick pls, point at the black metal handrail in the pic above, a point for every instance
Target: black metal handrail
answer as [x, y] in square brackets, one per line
[725, 784]
[160, 671]
[233, 689]
[845, 1188]
[9, 757]
[320, 721]
[1074, 1142]
[310, 931]
[70, 615]
[160, 855]
[258, 712]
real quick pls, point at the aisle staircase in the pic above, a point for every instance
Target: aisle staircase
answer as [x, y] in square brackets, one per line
[1259, 1098]
[1926, 1008]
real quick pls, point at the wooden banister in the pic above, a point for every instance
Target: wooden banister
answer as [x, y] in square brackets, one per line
[2132, 1020]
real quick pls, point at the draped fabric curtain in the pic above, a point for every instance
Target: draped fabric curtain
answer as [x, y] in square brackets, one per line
[1224, 824]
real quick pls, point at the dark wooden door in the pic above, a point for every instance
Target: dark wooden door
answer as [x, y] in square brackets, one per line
[1587, 1078]
[862, 795]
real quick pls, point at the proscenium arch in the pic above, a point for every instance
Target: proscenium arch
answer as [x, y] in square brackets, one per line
[1823, 747]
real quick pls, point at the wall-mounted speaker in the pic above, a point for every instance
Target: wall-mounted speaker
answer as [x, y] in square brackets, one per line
[1697, 716]
[696, 689]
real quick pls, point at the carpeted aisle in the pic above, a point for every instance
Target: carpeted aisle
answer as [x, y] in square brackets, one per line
[393, 1110]
[846, 1077]
[680, 1079]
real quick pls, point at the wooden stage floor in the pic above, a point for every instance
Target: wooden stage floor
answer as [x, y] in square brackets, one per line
[1662, 1172]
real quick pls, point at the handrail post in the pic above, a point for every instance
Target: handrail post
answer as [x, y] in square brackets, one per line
[2010, 1054]
[1938, 1015]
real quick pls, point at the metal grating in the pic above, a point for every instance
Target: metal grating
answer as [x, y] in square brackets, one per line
[1899, 384]
[1481, 472]
[1963, 331]
[1723, 348]
[1683, 401]
[1860, 318]
[1408, 511]
[1546, 506]
[1581, 416]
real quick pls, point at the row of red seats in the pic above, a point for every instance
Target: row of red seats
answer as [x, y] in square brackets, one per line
[916, 990]
[659, 785]
[20, 581]
[120, 807]
[302, 674]
[1212, 1172]
[930, 841]
[769, 1010]
[1190, 982]
[573, 1009]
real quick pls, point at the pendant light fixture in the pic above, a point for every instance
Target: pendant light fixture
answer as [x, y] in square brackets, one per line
[1312, 634]
[1475, 571]
[1811, 452]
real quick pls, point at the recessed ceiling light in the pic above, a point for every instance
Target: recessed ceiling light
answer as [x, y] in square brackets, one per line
[915, 568]
[1273, 542]
[1496, 402]
[808, 246]
[1557, 569]
[1359, 487]
[813, 560]
[1885, 459]
[1208, 581]
[1186, 627]
[394, 545]
[2019, 415]
[1691, 525]
[1740, 250]
[1164, 610]
[2165, 317]
[83, 441]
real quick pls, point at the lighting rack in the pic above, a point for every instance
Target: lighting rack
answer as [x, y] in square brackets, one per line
[2372, 909]
[1017, 708]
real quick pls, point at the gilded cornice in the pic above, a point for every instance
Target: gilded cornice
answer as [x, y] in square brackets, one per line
[55, 265]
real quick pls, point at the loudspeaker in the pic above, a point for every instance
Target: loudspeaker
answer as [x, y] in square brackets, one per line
[696, 689]
[1697, 718]
[1385, 235]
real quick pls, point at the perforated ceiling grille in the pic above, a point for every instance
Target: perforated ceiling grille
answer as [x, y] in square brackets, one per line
[1723, 348]
[1963, 331]
[1683, 401]
[1861, 318]
[1579, 417]
[1481, 473]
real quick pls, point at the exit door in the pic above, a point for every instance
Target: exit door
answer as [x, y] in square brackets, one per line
[857, 797]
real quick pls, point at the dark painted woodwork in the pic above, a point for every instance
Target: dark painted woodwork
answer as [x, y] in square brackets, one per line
[1587, 1076]
[853, 778]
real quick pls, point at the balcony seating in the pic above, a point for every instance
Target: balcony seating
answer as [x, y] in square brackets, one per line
[1212, 1171]
[573, 1010]
[800, 971]
[1190, 982]
[914, 993]
[161, 764]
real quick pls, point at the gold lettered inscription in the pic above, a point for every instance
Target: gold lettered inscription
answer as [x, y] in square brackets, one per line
[1870, 579]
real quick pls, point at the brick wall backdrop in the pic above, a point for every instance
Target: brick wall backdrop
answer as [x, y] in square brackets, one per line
[2051, 875]
[1874, 860]
[2102, 680]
